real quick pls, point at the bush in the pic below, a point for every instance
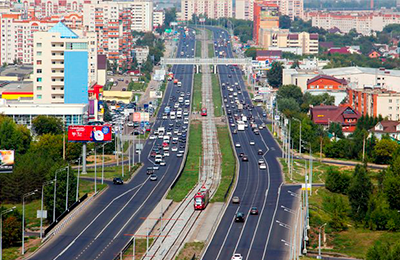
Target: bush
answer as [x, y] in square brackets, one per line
[336, 181]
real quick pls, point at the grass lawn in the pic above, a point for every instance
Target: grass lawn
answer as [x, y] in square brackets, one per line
[31, 222]
[216, 94]
[210, 50]
[198, 48]
[86, 186]
[209, 34]
[355, 241]
[140, 248]
[196, 106]
[111, 172]
[189, 250]
[228, 163]
[136, 86]
[138, 95]
[190, 174]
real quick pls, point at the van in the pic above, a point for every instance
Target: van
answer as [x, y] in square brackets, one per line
[172, 115]
[158, 158]
[180, 99]
[179, 114]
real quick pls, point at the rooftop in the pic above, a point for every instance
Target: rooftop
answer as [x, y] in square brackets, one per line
[63, 30]
[17, 87]
[387, 127]
[16, 70]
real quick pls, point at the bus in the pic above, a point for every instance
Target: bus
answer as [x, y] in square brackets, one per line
[204, 111]
[201, 199]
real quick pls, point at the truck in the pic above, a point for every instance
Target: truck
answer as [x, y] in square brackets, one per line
[161, 130]
[241, 125]
[179, 84]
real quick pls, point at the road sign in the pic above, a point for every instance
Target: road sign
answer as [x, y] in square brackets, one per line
[41, 214]
[277, 117]
[139, 146]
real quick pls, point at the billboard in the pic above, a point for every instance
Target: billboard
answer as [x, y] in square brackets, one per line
[269, 12]
[141, 116]
[89, 133]
[6, 161]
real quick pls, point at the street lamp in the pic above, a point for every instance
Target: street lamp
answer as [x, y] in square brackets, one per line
[66, 195]
[77, 180]
[319, 242]
[41, 208]
[23, 218]
[298, 120]
[1, 229]
[55, 192]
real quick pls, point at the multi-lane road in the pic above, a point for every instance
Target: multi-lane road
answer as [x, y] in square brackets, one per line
[259, 236]
[100, 232]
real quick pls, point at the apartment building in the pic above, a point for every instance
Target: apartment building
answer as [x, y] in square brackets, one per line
[244, 9]
[158, 18]
[298, 43]
[64, 65]
[266, 16]
[141, 54]
[291, 8]
[113, 23]
[213, 9]
[364, 22]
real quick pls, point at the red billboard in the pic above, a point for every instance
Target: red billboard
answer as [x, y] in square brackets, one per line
[89, 133]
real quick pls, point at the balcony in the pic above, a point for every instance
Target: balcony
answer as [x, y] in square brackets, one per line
[57, 66]
[57, 83]
[57, 92]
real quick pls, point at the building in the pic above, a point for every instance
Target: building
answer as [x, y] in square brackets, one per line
[297, 43]
[386, 127]
[265, 16]
[356, 77]
[48, 8]
[244, 9]
[346, 116]
[101, 69]
[375, 101]
[326, 82]
[158, 18]
[364, 22]
[291, 8]
[64, 66]
[141, 53]
[213, 9]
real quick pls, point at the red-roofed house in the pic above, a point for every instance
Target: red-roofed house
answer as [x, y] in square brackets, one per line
[345, 115]
[327, 83]
[270, 55]
[374, 54]
[386, 127]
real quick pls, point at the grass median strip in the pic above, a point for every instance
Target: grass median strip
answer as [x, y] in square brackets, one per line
[228, 164]
[198, 48]
[210, 50]
[189, 250]
[196, 106]
[216, 94]
[190, 174]
[140, 248]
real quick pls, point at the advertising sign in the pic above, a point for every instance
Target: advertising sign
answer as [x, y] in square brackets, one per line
[263, 90]
[89, 133]
[41, 214]
[141, 116]
[6, 161]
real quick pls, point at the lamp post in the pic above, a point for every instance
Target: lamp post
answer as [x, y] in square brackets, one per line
[23, 218]
[298, 120]
[55, 193]
[41, 208]
[77, 179]
[102, 166]
[66, 195]
[1, 228]
[319, 241]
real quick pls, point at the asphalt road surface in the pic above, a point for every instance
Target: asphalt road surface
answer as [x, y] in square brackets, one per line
[101, 231]
[259, 236]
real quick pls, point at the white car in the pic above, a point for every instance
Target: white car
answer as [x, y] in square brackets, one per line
[237, 145]
[261, 161]
[160, 137]
[179, 154]
[252, 142]
[263, 166]
[186, 122]
[237, 257]
[166, 154]
[174, 149]
[164, 117]
[130, 124]
[163, 163]
[152, 137]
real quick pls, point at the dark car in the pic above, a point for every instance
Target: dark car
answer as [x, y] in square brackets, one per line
[254, 211]
[245, 158]
[239, 217]
[149, 171]
[241, 154]
[118, 181]
[260, 152]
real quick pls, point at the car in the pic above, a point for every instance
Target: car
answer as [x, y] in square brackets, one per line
[174, 149]
[263, 166]
[156, 167]
[153, 177]
[252, 142]
[236, 200]
[163, 163]
[166, 153]
[260, 152]
[254, 211]
[179, 154]
[234, 131]
[260, 161]
[149, 171]
[152, 137]
[241, 154]
[153, 154]
[237, 145]
[264, 115]
[118, 181]
[130, 124]
[245, 158]
[239, 217]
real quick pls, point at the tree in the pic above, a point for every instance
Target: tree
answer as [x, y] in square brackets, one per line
[380, 251]
[288, 106]
[384, 150]
[251, 52]
[359, 192]
[12, 228]
[170, 16]
[47, 125]
[295, 65]
[13, 136]
[338, 207]
[336, 181]
[285, 22]
[107, 115]
[274, 75]
[336, 130]
[290, 91]
[391, 187]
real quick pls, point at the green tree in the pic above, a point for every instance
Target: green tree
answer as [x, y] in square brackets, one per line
[391, 186]
[12, 228]
[288, 106]
[47, 125]
[12, 136]
[359, 192]
[336, 130]
[384, 150]
[295, 65]
[290, 91]
[338, 207]
[380, 251]
[285, 22]
[274, 75]
[251, 52]
[336, 181]
[107, 115]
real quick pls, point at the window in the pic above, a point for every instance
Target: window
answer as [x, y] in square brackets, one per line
[39, 44]
[39, 62]
[390, 108]
[39, 96]
[39, 71]
[39, 53]
[39, 88]
[39, 80]
[390, 101]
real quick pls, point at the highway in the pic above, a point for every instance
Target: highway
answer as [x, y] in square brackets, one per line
[259, 236]
[100, 231]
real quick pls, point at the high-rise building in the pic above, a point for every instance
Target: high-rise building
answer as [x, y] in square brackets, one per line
[64, 64]
[291, 8]
[213, 9]
[158, 18]
[244, 9]
[266, 16]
